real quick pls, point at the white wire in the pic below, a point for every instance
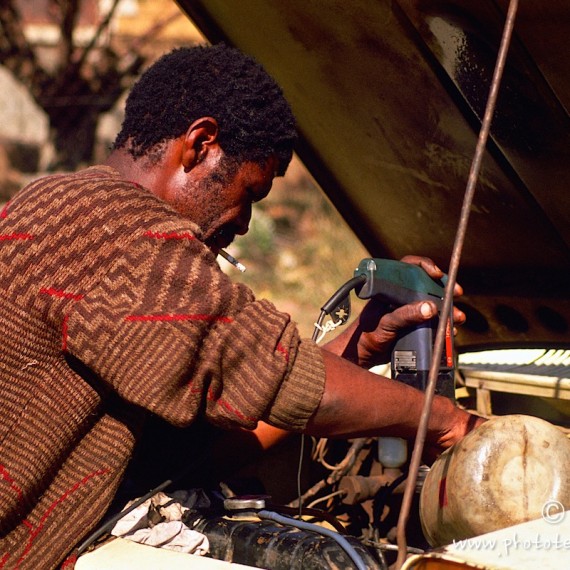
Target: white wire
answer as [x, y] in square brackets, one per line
[325, 498]
[329, 326]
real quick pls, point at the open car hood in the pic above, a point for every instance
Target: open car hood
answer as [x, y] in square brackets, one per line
[389, 97]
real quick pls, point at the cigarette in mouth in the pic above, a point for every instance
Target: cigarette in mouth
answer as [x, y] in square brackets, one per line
[232, 260]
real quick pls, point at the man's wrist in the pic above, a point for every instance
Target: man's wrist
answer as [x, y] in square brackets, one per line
[456, 423]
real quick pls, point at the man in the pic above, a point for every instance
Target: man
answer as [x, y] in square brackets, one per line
[114, 308]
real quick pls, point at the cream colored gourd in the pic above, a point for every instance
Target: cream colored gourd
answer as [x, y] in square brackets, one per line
[510, 470]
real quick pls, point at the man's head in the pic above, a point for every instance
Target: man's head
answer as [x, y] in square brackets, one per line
[254, 120]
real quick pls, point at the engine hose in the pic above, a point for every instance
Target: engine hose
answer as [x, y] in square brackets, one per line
[341, 541]
[309, 512]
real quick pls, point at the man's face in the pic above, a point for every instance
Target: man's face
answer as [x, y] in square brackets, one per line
[218, 196]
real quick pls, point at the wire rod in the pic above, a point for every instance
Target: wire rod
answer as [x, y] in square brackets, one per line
[452, 276]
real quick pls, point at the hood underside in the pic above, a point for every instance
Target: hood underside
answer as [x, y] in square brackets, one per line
[389, 98]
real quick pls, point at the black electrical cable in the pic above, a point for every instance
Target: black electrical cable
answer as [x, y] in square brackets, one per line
[342, 293]
[318, 324]
[334, 301]
[112, 521]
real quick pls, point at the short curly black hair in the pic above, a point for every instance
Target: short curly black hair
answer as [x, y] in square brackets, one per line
[254, 119]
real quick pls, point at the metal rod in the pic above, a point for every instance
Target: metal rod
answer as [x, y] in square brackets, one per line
[452, 277]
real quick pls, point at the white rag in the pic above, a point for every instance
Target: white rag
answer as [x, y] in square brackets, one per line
[171, 534]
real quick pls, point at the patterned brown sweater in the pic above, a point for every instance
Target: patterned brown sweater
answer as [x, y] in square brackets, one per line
[98, 270]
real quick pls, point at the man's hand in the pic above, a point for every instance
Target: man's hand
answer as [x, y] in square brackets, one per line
[457, 426]
[370, 338]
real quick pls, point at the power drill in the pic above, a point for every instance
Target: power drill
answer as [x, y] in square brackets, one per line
[399, 283]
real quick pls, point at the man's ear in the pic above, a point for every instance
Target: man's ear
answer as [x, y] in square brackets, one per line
[200, 137]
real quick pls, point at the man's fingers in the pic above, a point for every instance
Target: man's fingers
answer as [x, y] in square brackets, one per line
[408, 316]
[416, 314]
[459, 317]
[429, 266]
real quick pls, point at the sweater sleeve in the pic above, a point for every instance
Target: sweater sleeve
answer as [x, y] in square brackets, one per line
[167, 330]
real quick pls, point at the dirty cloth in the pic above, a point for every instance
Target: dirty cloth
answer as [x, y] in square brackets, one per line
[169, 532]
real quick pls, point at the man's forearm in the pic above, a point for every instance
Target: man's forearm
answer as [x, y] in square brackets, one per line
[358, 403]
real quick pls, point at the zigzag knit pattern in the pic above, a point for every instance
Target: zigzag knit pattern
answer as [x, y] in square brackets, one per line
[96, 268]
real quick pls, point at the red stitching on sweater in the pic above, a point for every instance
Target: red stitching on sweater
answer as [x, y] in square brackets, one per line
[212, 398]
[59, 293]
[151, 318]
[228, 407]
[6, 237]
[283, 350]
[4, 214]
[4, 559]
[34, 532]
[169, 235]
[69, 561]
[4, 474]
